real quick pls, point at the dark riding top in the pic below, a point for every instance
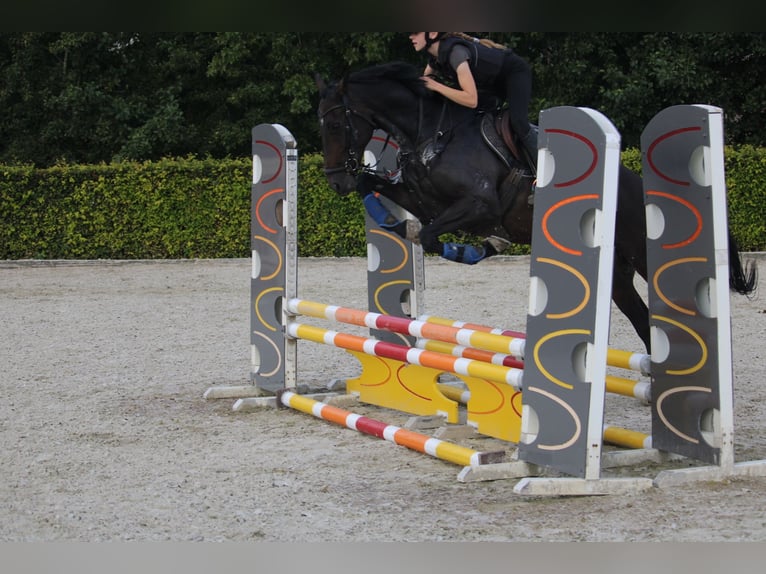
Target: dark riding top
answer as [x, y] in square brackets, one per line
[501, 76]
[486, 66]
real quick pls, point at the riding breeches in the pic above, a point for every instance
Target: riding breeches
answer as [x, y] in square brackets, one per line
[517, 85]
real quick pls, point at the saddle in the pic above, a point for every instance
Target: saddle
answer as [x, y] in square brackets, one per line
[498, 135]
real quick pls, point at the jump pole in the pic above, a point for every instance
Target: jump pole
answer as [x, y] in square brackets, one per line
[640, 362]
[484, 339]
[431, 446]
[412, 327]
[617, 385]
[407, 355]
[410, 358]
[493, 348]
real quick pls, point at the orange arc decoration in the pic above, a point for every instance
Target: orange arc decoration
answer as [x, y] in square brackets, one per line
[258, 208]
[693, 237]
[553, 208]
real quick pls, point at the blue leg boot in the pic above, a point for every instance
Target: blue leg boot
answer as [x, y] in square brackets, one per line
[384, 218]
[461, 253]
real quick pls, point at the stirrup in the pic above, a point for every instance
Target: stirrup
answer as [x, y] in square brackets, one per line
[531, 196]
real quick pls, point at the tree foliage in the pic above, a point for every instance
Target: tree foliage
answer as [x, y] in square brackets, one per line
[90, 97]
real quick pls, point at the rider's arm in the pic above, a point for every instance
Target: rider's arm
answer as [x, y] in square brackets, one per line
[467, 95]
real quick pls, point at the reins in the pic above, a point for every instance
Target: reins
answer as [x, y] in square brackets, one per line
[352, 165]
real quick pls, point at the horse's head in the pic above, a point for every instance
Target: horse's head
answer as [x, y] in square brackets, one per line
[346, 129]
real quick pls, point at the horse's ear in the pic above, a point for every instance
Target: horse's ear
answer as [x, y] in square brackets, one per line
[321, 85]
[342, 83]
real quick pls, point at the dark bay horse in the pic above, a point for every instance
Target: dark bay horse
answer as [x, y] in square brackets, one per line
[453, 182]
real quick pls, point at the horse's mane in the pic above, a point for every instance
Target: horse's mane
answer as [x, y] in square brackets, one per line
[401, 72]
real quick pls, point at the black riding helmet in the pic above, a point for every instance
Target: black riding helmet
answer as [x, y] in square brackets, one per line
[430, 41]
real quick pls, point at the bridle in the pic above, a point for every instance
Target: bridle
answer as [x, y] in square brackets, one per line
[352, 166]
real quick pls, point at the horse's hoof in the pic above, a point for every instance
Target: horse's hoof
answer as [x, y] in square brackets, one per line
[413, 231]
[499, 244]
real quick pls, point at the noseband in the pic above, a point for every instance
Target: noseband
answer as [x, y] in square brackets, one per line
[352, 165]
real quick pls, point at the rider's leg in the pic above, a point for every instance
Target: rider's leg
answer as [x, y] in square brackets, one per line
[518, 81]
[530, 144]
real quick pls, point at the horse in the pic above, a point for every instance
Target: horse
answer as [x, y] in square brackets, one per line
[451, 180]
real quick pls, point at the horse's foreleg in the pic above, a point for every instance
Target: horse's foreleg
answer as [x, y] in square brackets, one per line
[460, 215]
[469, 254]
[368, 186]
[628, 300]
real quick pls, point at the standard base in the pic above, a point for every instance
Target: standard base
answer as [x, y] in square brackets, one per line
[755, 468]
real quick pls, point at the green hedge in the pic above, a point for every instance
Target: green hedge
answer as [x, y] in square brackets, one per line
[180, 208]
[200, 208]
[328, 225]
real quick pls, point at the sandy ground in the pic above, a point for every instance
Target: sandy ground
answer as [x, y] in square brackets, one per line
[107, 437]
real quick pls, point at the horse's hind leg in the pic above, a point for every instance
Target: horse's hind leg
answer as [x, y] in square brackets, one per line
[628, 300]
[465, 214]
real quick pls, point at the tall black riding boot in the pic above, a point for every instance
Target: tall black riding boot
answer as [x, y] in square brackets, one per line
[530, 146]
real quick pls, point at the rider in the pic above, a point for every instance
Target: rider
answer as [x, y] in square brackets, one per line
[477, 69]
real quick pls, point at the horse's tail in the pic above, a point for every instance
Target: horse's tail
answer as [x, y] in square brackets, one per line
[742, 278]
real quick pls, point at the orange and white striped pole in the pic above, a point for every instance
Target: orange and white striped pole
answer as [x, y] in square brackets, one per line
[405, 354]
[435, 447]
